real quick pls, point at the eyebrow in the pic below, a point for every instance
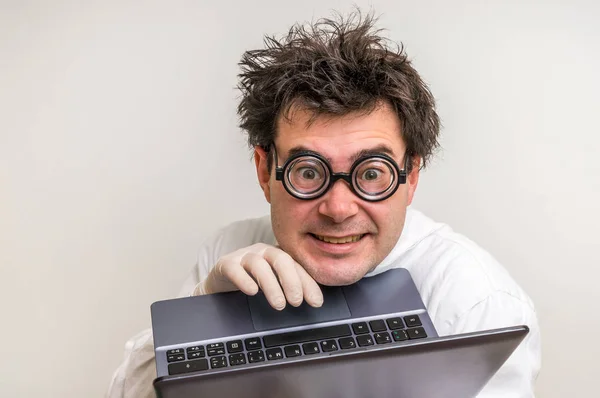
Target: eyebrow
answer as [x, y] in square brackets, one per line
[378, 150]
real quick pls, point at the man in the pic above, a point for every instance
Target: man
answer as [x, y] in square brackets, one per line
[341, 125]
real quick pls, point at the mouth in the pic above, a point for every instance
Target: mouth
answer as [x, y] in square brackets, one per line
[338, 240]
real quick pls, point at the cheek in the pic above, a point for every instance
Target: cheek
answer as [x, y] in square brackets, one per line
[388, 215]
[288, 213]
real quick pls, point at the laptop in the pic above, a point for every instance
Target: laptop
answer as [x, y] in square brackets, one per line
[373, 338]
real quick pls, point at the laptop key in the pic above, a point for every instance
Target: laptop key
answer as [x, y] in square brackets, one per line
[395, 323]
[253, 343]
[195, 355]
[329, 345]
[196, 348]
[274, 353]
[377, 326]
[256, 356]
[175, 351]
[237, 359]
[234, 346]
[189, 366]
[347, 343]
[218, 362]
[383, 338]
[412, 321]
[364, 340]
[416, 333]
[215, 349]
[360, 328]
[399, 335]
[310, 348]
[292, 351]
[175, 358]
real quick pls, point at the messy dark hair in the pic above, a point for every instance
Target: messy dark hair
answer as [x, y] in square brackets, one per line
[334, 67]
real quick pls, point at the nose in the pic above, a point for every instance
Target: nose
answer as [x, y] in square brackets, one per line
[339, 203]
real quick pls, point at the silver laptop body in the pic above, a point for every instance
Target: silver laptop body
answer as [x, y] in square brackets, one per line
[370, 339]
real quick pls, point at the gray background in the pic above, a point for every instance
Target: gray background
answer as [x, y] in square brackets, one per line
[119, 153]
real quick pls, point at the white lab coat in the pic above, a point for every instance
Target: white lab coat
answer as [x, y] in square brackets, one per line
[464, 288]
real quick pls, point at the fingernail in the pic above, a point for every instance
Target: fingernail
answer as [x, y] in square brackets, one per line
[316, 300]
[296, 300]
[279, 303]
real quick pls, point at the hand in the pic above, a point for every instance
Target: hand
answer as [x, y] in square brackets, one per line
[267, 268]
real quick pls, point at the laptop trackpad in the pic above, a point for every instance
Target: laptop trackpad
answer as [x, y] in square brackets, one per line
[265, 317]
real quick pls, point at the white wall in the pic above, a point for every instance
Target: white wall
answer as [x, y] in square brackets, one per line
[119, 152]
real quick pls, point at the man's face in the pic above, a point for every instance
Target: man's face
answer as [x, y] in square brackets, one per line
[370, 229]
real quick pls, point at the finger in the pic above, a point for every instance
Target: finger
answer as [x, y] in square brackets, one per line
[311, 290]
[238, 276]
[262, 272]
[215, 283]
[285, 268]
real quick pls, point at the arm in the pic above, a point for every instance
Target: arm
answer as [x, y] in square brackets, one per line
[516, 378]
[238, 252]
[134, 377]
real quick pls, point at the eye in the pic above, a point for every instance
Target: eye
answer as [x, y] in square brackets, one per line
[308, 173]
[371, 174]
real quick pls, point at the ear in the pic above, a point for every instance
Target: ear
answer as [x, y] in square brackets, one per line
[412, 180]
[262, 171]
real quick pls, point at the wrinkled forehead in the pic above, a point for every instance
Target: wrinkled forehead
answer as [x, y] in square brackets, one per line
[352, 157]
[340, 139]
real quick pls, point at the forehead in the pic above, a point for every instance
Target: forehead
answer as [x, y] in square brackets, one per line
[339, 138]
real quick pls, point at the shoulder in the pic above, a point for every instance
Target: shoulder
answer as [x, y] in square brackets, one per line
[455, 275]
[232, 237]
[242, 233]
[227, 239]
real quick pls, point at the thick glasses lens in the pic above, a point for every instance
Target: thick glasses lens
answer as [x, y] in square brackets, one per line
[374, 178]
[307, 176]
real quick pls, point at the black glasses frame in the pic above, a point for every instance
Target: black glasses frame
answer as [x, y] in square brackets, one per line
[334, 177]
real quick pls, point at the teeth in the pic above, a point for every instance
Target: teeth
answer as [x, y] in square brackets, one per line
[346, 239]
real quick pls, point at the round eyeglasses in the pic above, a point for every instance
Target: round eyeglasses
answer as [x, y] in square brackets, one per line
[308, 175]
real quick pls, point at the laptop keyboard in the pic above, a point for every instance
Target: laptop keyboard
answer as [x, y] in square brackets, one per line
[294, 344]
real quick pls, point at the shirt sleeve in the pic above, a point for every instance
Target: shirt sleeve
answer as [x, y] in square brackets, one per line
[235, 236]
[516, 378]
[134, 377]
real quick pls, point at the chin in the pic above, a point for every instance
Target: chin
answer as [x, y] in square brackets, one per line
[337, 276]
